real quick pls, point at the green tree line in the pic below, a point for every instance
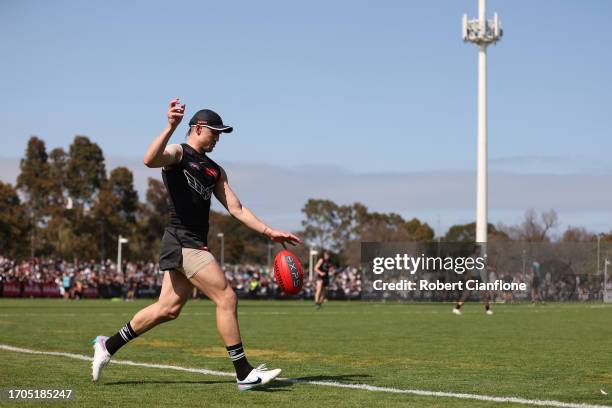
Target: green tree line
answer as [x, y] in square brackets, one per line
[66, 205]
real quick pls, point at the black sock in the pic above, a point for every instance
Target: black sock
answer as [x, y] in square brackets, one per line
[241, 364]
[487, 306]
[120, 339]
[458, 305]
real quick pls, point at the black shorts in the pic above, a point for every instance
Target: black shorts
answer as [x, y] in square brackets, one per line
[324, 279]
[173, 242]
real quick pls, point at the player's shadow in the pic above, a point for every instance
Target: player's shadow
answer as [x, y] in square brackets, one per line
[144, 382]
[282, 385]
[275, 386]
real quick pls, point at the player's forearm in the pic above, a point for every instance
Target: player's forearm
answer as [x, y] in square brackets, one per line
[154, 155]
[246, 216]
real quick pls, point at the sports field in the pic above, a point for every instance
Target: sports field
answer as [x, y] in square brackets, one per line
[556, 352]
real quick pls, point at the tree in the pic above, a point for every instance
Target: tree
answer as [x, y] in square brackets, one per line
[156, 208]
[85, 175]
[578, 234]
[388, 227]
[58, 166]
[341, 228]
[57, 205]
[115, 208]
[152, 219]
[537, 230]
[121, 186]
[466, 233]
[34, 182]
[13, 222]
[329, 225]
[382, 227]
[85, 169]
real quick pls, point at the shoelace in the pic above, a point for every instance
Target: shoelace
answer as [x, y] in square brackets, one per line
[261, 367]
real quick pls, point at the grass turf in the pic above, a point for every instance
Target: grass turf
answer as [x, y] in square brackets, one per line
[560, 351]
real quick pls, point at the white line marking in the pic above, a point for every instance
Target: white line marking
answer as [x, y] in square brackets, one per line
[366, 387]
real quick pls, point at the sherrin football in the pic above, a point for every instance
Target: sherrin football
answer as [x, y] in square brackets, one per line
[288, 272]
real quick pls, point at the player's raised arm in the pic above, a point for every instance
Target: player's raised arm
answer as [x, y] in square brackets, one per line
[158, 154]
[230, 201]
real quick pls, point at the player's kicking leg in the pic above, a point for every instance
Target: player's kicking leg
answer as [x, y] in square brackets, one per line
[211, 280]
[175, 291]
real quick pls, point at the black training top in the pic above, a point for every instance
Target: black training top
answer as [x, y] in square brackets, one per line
[325, 266]
[190, 184]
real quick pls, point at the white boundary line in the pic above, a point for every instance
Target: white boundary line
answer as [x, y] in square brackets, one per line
[366, 387]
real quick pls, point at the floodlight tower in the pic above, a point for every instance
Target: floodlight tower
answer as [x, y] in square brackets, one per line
[482, 32]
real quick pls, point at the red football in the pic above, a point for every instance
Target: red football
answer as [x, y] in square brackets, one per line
[288, 272]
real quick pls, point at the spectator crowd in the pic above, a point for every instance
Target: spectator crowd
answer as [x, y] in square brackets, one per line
[95, 279]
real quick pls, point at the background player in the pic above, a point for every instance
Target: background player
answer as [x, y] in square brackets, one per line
[536, 282]
[323, 268]
[479, 275]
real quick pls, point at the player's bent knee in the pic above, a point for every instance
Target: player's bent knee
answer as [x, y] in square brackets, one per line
[228, 300]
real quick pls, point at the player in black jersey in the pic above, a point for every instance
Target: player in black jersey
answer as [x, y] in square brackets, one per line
[191, 178]
[479, 275]
[323, 267]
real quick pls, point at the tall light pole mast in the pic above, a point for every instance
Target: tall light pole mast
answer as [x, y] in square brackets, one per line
[482, 33]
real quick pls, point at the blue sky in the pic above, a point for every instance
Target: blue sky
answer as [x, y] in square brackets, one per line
[369, 87]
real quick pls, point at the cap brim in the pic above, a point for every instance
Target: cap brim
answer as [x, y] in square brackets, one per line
[224, 129]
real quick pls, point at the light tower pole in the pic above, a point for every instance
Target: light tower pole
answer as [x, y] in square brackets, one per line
[311, 255]
[120, 241]
[482, 33]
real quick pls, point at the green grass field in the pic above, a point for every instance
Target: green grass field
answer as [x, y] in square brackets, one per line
[560, 352]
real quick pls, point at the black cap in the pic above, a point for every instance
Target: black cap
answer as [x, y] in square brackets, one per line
[211, 120]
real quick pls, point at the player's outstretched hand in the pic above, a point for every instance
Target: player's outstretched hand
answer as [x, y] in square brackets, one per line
[175, 112]
[282, 237]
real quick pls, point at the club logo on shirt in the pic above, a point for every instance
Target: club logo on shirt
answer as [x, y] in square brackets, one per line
[211, 172]
[205, 192]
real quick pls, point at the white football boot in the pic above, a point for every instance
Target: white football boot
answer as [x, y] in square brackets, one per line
[457, 311]
[489, 312]
[257, 377]
[101, 357]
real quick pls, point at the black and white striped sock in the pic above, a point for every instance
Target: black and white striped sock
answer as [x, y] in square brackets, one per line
[121, 338]
[241, 364]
